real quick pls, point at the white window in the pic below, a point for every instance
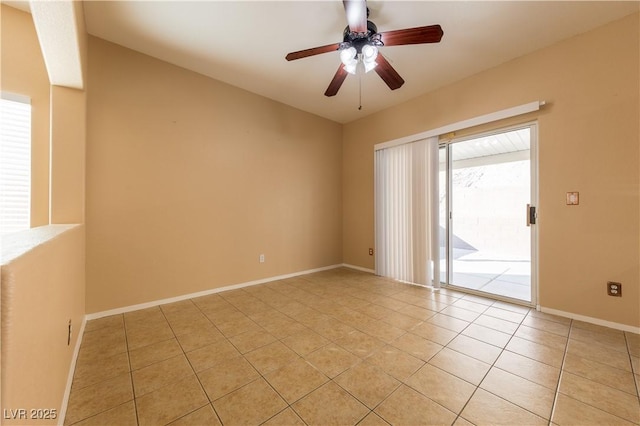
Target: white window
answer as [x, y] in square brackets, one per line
[15, 163]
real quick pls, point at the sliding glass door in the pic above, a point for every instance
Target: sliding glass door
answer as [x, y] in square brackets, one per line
[486, 190]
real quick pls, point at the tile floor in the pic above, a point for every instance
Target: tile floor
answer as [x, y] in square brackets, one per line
[346, 347]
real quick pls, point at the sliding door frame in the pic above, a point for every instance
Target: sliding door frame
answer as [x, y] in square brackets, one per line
[534, 200]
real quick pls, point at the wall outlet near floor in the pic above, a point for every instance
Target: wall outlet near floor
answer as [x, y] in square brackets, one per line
[370, 252]
[614, 289]
[262, 258]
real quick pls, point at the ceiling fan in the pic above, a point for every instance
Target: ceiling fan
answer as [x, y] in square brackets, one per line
[359, 47]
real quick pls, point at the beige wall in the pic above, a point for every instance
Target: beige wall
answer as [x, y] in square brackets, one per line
[44, 287]
[24, 72]
[189, 180]
[41, 291]
[68, 135]
[588, 142]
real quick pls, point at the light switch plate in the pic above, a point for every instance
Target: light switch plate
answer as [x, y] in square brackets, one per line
[573, 198]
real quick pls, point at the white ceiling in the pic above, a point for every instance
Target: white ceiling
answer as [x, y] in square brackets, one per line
[244, 43]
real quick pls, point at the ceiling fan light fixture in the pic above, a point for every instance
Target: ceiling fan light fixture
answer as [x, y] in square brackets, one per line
[351, 68]
[368, 66]
[348, 56]
[369, 53]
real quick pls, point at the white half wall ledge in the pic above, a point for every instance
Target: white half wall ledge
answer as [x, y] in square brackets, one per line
[57, 28]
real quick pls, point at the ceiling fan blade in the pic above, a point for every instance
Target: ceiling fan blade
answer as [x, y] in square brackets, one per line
[311, 52]
[418, 35]
[336, 82]
[388, 73]
[356, 11]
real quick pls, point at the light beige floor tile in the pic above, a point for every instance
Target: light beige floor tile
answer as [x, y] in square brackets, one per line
[198, 337]
[401, 320]
[226, 377]
[286, 417]
[507, 315]
[635, 364]
[549, 317]
[332, 360]
[271, 357]
[601, 396]
[101, 344]
[469, 305]
[487, 335]
[460, 421]
[432, 332]
[238, 326]
[372, 419]
[601, 373]
[156, 352]
[461, 314]
[407, 406]
[417, 312]
[201, 416]
[210, 355]
[383, 331]
[569, 411]
[171, 402]
[530, 369]
[522, 392]
[417, 346]
[305, 341]
[369, 384]
[188, 323]
[496, 324]
[254, 403]
[89, 373]
[160, 374]
[251, 340]
[475, 348]
[113, 321]
[144, 316]
[478, 299]
[554, 327]
[465, 367]
[442, 387]
[546, 338]
[633, 343]
[595, 328]
[283, 328]
[544, 354]
[600, 354]
[140, 337]
[122, 415]
[330, 405]
[224, 315]
[450, 323]
[395, 362]
[511, 307]
[95, 399]
[485, 408]
[296, 380]
[610, 340]
[359, 343]
[333, 330]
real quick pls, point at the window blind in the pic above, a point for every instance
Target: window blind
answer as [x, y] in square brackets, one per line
[15, 163]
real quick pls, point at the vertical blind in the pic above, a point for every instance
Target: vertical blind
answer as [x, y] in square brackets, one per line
[406, 209]
[15, 164]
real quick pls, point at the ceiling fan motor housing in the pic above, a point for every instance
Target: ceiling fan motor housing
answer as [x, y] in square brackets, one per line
[358, 40]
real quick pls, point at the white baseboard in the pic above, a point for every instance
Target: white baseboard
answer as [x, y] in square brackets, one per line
[591, 320]
[72, 370]
[359, 268]
[154, 303]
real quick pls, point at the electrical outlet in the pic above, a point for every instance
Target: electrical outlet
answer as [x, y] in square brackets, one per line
[370, 252]
[614, 289]
[262, 258]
